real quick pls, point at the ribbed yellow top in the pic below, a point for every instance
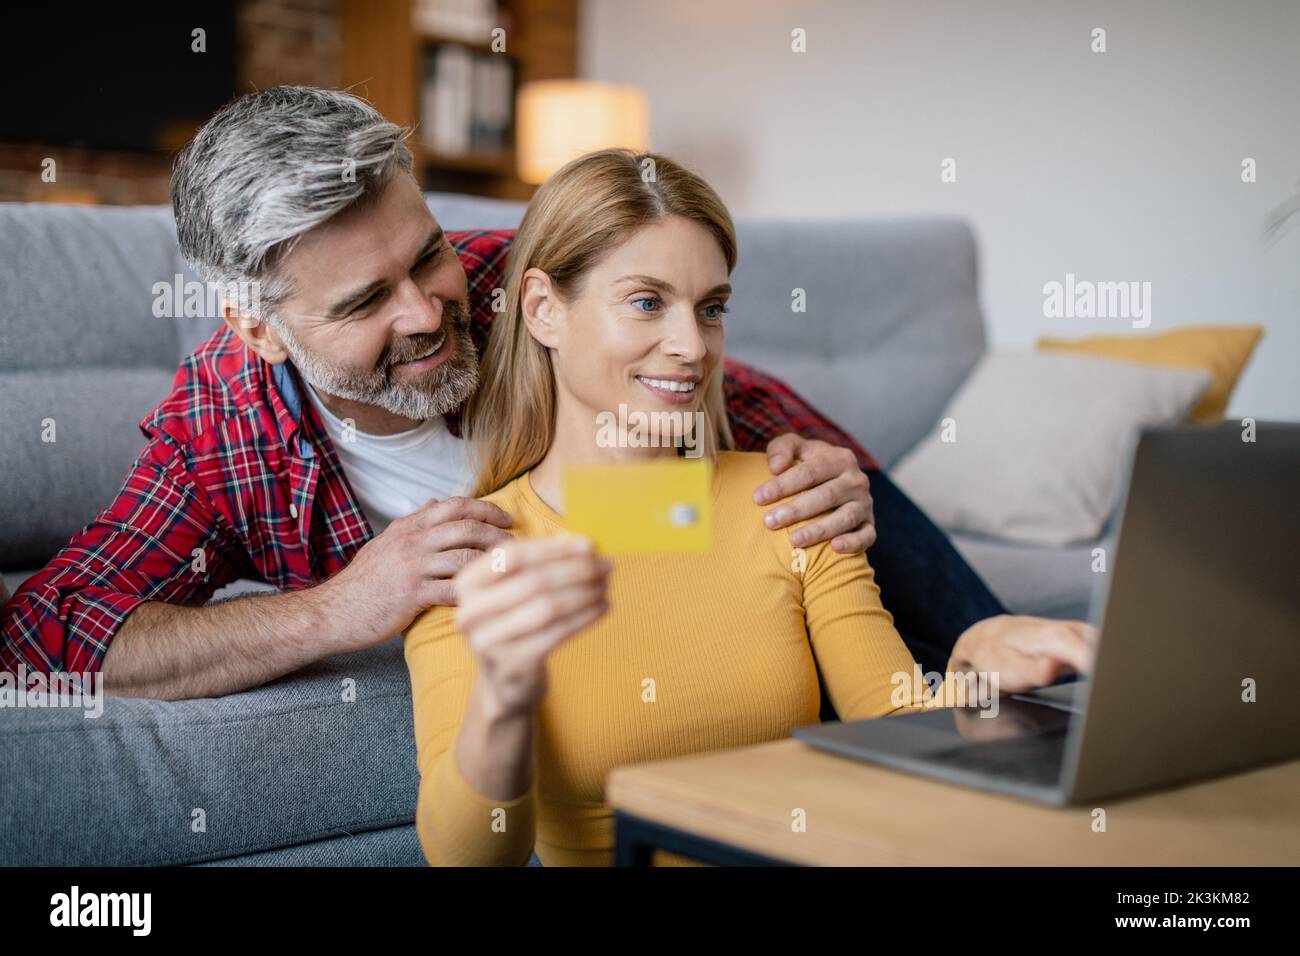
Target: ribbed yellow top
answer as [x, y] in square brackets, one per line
[698, 652]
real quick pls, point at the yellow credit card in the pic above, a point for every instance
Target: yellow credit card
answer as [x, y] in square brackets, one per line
[641, 507]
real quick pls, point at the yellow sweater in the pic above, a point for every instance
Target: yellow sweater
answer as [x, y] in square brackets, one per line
[698, 652]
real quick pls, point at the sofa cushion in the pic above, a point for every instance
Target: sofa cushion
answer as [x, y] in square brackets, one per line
[76, 287]
[51, 489]
[1221, 350]
[891, 326]
[1031, 445]
[289, 763]
[1047, 582]
[393, 846]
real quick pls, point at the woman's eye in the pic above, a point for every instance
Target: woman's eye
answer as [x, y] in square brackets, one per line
[651, 299]
[715, 311]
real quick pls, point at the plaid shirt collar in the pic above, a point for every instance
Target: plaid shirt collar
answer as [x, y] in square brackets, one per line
[286, 399]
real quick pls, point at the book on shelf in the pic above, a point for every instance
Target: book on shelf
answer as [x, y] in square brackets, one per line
[466, 101]
[468, 20]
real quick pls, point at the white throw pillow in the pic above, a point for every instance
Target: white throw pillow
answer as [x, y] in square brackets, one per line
[1038, 439]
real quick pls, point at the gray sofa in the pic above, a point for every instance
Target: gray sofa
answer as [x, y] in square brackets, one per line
[291, 773]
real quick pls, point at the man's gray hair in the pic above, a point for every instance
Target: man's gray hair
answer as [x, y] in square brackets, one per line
[266, 168]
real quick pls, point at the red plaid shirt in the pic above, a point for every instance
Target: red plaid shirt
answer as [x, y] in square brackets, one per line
[239, 480]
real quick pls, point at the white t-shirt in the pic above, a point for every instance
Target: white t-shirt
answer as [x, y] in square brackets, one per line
[392, 475]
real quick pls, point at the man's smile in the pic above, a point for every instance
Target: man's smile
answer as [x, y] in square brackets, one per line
[433, 356]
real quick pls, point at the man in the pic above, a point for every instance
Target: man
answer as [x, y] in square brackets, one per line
[313, 442]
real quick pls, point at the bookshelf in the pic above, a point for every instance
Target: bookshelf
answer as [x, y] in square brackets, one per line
[384, 56]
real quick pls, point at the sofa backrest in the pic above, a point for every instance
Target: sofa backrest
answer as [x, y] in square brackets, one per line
[891, 322]
[82, 359]
[891, 328]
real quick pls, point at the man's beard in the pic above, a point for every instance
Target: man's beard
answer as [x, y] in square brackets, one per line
[432, 393]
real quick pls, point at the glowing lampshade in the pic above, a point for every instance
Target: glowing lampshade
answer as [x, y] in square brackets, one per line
[560, 120]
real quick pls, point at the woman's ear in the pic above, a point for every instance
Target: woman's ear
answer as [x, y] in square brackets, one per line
[541, 307]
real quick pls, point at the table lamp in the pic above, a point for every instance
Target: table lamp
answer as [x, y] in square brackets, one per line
[560, 120]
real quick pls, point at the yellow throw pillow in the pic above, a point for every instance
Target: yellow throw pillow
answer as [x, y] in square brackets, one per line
[1221, 350]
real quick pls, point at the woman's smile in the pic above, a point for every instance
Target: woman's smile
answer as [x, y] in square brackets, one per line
[673, 389]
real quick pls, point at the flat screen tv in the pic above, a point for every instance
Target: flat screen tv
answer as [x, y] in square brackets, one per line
[114, 76]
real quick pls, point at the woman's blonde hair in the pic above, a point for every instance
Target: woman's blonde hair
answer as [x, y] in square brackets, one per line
[578, 216]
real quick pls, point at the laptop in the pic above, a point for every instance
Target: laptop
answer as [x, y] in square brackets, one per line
[1198, 663]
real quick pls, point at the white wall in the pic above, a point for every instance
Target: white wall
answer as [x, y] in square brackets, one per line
[1117, 166]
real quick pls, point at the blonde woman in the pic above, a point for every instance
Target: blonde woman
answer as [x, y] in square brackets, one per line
[560, 664]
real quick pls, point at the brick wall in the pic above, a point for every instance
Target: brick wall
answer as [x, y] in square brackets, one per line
[288, 41]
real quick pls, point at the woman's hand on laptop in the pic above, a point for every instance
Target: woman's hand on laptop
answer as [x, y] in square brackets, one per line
[519, 602]
[828, 483]
[1025, 652]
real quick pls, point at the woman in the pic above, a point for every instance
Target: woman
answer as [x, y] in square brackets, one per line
[530, 691]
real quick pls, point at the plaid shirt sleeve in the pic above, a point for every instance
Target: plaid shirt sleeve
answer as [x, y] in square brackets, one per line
[760, 407]
[145, 546]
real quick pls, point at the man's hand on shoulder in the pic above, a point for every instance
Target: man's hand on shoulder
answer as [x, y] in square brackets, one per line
[827, 482]
[409, 567]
